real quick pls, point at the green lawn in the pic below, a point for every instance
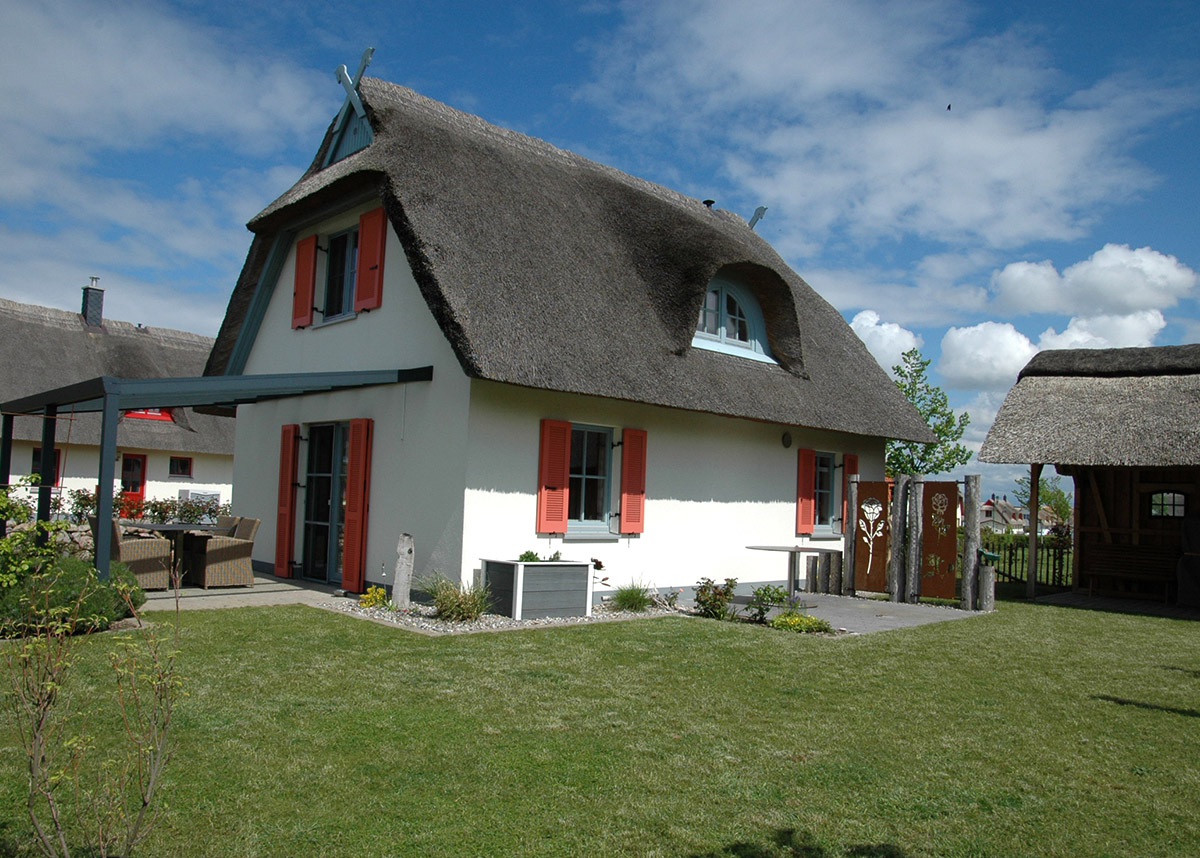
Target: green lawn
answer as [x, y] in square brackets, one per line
[1032, 731]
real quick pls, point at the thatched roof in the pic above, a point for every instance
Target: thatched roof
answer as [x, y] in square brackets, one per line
[547, 270]
[43, 348]
[1125, 407]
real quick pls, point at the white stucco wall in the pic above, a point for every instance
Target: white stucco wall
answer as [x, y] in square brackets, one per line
[420, 430]
[714, 485]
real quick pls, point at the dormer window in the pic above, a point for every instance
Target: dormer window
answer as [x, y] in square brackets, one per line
[339, 277]
[731, 322]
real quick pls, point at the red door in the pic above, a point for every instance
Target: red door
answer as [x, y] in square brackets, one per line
[133, 484]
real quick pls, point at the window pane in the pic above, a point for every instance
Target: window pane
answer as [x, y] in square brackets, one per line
[735, 321]
[575, 498]
[593, 500]
[597, 454]
[335, 279]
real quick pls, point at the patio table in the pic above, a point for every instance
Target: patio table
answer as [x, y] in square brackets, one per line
[173, 531]
[797, 578]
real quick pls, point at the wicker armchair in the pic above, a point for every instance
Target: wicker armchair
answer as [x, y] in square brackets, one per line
[221, 561]
[148, 558]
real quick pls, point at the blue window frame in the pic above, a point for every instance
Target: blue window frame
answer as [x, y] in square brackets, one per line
[588, 497]
[731, 322]
[823, 491]
[339, 274]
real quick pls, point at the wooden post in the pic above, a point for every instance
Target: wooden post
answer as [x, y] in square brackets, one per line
[972, 539]
[912, 581]
[987, 588]
[1035, 477]
[896, 553]
[810, 577]
[849, 533]
[402, 582]
[836, 585]
[823, 574]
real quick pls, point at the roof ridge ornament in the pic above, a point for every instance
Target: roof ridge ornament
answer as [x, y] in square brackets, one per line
[350, 84]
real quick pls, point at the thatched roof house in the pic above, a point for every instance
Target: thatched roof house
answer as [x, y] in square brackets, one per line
[552, 303]
[1125, 423]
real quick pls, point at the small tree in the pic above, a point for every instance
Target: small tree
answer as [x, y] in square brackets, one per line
[1050, 493]
[910, 457]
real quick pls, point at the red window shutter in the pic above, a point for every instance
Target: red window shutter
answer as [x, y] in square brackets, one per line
[633, 481]
[849, 468]
[368, 279]
[358, 495]
[285, 519]
[306, 281]
[554, 474]
[806, 490]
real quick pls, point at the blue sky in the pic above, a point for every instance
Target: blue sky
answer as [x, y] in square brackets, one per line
[1054, 204]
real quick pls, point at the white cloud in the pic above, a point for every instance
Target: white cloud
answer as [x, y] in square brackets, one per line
[986, 356]
[835, 115]
[886, 341]
[1105, 332]
[1115, 279]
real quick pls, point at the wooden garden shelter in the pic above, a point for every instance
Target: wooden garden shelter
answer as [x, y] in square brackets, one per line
[1125, 425]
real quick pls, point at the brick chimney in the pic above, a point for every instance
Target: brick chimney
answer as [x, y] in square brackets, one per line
[93, 304]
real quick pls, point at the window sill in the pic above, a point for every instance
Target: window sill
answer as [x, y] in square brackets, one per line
[333, 320]
[591, 536]
[699, 342]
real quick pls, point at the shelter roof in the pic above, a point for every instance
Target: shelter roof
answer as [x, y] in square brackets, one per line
[1102, 407]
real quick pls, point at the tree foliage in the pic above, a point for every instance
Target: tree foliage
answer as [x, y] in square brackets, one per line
[909, 457]
[1050, 493]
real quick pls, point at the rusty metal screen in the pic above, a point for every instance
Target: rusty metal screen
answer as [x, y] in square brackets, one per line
[872, 535]
[939, 540]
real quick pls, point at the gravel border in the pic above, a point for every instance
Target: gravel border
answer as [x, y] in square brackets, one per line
[420, 618]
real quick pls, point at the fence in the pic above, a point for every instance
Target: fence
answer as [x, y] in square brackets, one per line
[1055, 560]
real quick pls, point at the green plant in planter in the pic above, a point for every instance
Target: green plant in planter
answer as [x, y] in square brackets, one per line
[529, 557]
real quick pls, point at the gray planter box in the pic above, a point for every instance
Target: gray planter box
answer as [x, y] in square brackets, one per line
[527, 591]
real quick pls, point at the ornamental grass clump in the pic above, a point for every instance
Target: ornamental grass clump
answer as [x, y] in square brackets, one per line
[632, 597]
[454, 602]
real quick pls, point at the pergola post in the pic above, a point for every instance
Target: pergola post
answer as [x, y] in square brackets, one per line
[104, 491]
[1035, 477]
[46, 476]
[6, 439]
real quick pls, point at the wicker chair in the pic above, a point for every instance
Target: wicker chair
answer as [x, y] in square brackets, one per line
[221, 561]
[148, 558]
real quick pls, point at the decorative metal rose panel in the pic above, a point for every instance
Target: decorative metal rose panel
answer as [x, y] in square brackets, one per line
[871, 534]
[939, 540]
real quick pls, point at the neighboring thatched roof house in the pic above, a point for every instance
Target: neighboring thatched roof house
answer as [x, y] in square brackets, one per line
[547, 270]
[1125, 423]
[43, 348]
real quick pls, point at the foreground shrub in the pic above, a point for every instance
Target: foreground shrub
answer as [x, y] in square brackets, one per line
[632, 597]
[712, 599]
[763, 599]
[454, 602]
[794, 621]
[68, 586]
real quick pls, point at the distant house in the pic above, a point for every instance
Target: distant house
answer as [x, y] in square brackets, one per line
[592, 364]
[1125, 425]
[163, 453]
[1000, 515]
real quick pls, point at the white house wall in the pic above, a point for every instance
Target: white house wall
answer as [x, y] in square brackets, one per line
[420, 429]
[714, 485]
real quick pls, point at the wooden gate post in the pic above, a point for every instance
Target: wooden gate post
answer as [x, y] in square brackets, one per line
[849, 534]
[810, 576]
[971, 542]
[896, 554]
[916, 499]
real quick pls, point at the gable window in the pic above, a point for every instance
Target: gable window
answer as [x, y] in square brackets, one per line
[730, 321]
[36, 465]
[180, 466]
[1168, 505]
[339, 277]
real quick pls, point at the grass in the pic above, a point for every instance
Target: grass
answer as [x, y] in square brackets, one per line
[1036, 731]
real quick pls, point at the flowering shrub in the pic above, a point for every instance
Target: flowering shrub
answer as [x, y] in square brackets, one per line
[794, 621]
[763, 599]
[712, 599]
[375, 597]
